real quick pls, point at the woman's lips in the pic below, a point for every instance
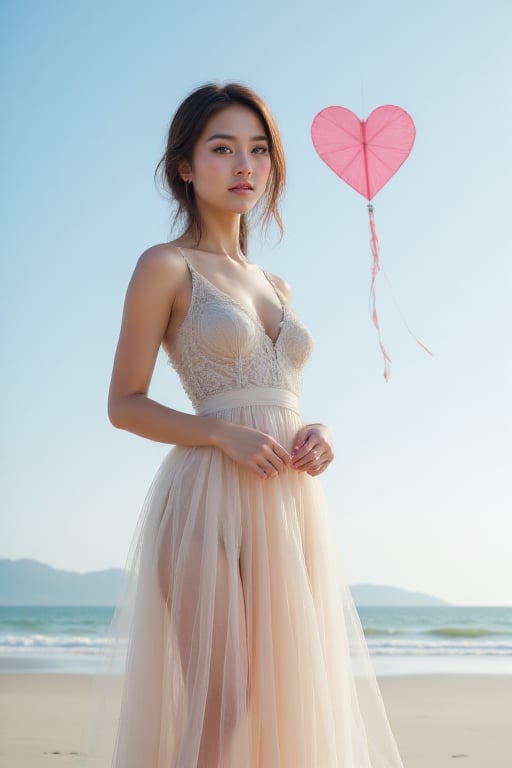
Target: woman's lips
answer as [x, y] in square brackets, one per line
[242, 188]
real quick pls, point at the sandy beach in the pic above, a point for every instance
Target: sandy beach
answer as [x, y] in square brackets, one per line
[461, 721]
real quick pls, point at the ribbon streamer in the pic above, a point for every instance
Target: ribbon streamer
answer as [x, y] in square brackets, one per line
[375, 270]
[373, 305]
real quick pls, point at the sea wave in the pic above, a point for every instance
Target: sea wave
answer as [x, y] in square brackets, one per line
[420, 647]
[454, 632]
[378, 646]
[61, 642]
[464, 632]
[382, 631]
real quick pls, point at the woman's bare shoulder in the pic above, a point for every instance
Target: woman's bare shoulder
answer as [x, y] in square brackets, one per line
[162, 256]
[160, 270]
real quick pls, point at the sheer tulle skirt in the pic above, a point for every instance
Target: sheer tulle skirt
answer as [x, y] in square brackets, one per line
[236, 643]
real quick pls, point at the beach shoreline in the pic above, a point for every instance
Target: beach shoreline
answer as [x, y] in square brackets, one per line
[438, 720]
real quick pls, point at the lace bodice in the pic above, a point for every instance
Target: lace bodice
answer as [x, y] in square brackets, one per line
[222, 345]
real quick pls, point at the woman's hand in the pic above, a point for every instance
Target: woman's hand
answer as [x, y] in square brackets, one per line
[252, 449]
[312, 449]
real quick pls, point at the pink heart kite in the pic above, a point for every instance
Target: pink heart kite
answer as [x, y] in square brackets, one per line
[364, 153]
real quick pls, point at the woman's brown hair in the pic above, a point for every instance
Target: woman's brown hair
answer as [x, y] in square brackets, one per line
[186, 127]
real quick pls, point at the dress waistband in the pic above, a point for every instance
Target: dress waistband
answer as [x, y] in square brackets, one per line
[235, 398]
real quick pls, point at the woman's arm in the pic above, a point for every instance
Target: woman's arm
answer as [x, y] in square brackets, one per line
[154, 289]
[149, 300]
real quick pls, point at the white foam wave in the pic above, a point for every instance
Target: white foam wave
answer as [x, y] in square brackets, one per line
[437, 648]
[57, 642]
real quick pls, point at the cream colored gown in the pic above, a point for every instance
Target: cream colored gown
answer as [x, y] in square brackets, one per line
[244, 646]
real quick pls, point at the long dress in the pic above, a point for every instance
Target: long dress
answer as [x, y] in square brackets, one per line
[244, 646]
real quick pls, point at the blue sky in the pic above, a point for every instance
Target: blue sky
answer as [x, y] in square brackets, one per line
[420, 490]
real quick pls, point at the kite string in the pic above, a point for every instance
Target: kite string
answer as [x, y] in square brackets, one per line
[375, 270]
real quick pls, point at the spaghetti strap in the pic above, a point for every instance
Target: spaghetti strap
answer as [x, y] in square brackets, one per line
[185, 258]
[274, 286]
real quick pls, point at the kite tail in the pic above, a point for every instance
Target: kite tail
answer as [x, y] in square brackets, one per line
[375, 270]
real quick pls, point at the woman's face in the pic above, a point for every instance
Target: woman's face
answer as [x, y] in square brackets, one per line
[231, 162]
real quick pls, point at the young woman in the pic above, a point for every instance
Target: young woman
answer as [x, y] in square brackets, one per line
[245, 649]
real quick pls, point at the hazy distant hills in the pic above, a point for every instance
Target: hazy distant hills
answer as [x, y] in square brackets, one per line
[377, 594]
[29, 582]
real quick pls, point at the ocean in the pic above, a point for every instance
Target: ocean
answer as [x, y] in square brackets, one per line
[401, 640]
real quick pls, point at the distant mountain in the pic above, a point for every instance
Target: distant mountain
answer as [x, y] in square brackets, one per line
[380, 595]
[29, 582]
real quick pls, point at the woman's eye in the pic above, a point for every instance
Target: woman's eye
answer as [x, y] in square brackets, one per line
[222, 149]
